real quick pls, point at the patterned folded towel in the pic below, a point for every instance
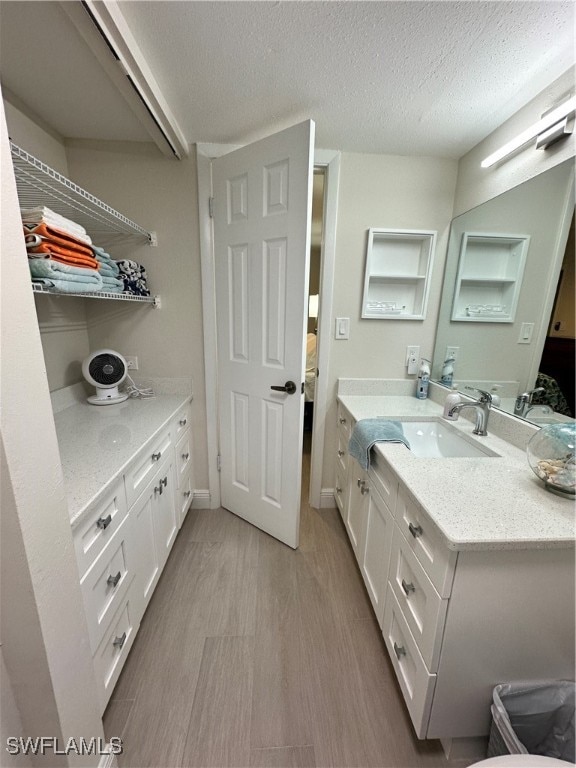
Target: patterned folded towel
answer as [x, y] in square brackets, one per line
[366, 432]
[134, 277]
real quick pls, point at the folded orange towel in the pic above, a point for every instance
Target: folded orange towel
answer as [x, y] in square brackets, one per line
[49, 250]
[59, 237]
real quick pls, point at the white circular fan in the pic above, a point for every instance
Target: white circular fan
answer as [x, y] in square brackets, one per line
[106, 370]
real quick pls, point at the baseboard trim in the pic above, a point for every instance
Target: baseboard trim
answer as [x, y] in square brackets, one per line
[201, 500]
[327, 500]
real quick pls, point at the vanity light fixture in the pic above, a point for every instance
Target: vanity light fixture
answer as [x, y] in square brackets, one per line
[549, 129]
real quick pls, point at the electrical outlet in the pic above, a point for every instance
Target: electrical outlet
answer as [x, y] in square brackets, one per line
[452, 352]
[131, 362]
[412, 358]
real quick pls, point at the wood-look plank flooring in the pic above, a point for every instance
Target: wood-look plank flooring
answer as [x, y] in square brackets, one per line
[254, 655]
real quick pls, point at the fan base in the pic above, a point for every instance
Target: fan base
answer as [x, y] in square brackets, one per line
[118, 398]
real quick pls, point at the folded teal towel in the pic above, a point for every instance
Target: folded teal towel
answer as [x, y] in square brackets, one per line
[366, 432]
[112, 284]
[54, 270]
[108, 265]
[67, 286]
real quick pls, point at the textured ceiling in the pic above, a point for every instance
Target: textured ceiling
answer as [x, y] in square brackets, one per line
[386, 77]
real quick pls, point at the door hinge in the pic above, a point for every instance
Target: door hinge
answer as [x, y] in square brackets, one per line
[218, 463]
[211, 207]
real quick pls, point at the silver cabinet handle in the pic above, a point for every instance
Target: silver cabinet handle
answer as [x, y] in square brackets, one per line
[185, 456]
[340, 453]
[415, 530]
[183, 422]
[187, 494]
[164, 482]
[360, 483]
[399, 650]
[119, 641]
[113, 580]
[408, 587]
[338, 490]
[104, 522]
[364, 489]
[342, 420]
[158, 488]
[156, 456]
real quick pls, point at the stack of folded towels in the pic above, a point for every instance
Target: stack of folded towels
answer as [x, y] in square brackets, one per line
[109, 271]
[134, 277]
[60, 253]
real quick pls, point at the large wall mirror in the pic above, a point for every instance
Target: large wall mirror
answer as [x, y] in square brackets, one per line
[508, 299]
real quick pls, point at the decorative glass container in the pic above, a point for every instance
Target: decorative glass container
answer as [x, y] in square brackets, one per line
[551, 456]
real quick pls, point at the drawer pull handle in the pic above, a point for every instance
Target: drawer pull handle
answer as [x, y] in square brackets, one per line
[156, 456]
[118, 642]
[183, 422]
[340, 453]
[158, 488]
[360, 483]
[185, 456]
[415, 530]
[113, 580]
[342, 420]
[187, 494]
[364, 490]
[399, 650]
[164, 482]
[408, 587]
[104, 522]
[338, 490]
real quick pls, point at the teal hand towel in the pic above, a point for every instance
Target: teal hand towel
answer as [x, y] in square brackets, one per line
[366, 432]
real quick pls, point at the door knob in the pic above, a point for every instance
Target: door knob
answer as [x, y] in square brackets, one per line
[289, 388]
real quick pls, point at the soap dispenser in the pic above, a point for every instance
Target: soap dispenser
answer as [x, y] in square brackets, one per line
[447, 372]
[423, 379]
[495, 397]
[451, 400]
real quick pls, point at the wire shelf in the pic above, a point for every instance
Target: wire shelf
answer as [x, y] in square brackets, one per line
[154, 300]
[38, 184]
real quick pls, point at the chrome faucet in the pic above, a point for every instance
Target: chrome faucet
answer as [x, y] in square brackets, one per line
[482, 408]
[523, 401]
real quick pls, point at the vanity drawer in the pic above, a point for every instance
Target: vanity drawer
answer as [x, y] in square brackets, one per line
[181, 421]
[426, 542]
[183, 457]
[106, 583]
[184, 496]
[421, 605]
[415, 680]
[98, 527]
[384, 479]
[340, 490]
[113, 651]
[145, 465]
[345, 423]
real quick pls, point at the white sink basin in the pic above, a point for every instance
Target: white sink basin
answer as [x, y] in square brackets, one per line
[435, 439]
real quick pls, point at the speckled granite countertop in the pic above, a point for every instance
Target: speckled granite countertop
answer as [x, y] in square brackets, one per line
[476, 503]
[98, 442]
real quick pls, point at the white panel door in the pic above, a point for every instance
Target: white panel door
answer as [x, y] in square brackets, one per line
[262, 208]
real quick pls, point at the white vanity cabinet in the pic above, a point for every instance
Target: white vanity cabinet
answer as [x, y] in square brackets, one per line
[456, 622]
[123, 540]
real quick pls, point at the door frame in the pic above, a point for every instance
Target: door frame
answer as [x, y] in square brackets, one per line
[330, 161]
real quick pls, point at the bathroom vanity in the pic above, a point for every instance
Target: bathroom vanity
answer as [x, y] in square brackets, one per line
[468, 562]
[129, 482]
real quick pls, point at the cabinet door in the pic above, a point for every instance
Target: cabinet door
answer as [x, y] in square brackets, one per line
[145, 552]
[356, 510]
[375, 551]
[164, 512]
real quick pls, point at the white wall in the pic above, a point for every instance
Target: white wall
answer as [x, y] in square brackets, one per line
[44, 634]
[159, 194]
[476, 185]
[394, 192]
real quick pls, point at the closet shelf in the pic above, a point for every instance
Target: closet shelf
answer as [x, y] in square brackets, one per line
[153, 300]
[38, 184]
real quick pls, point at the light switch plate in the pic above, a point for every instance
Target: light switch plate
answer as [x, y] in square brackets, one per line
[342, 328]
[526, 331]
[412, 359]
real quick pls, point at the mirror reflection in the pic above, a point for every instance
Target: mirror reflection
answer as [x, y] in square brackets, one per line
[507, 316]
